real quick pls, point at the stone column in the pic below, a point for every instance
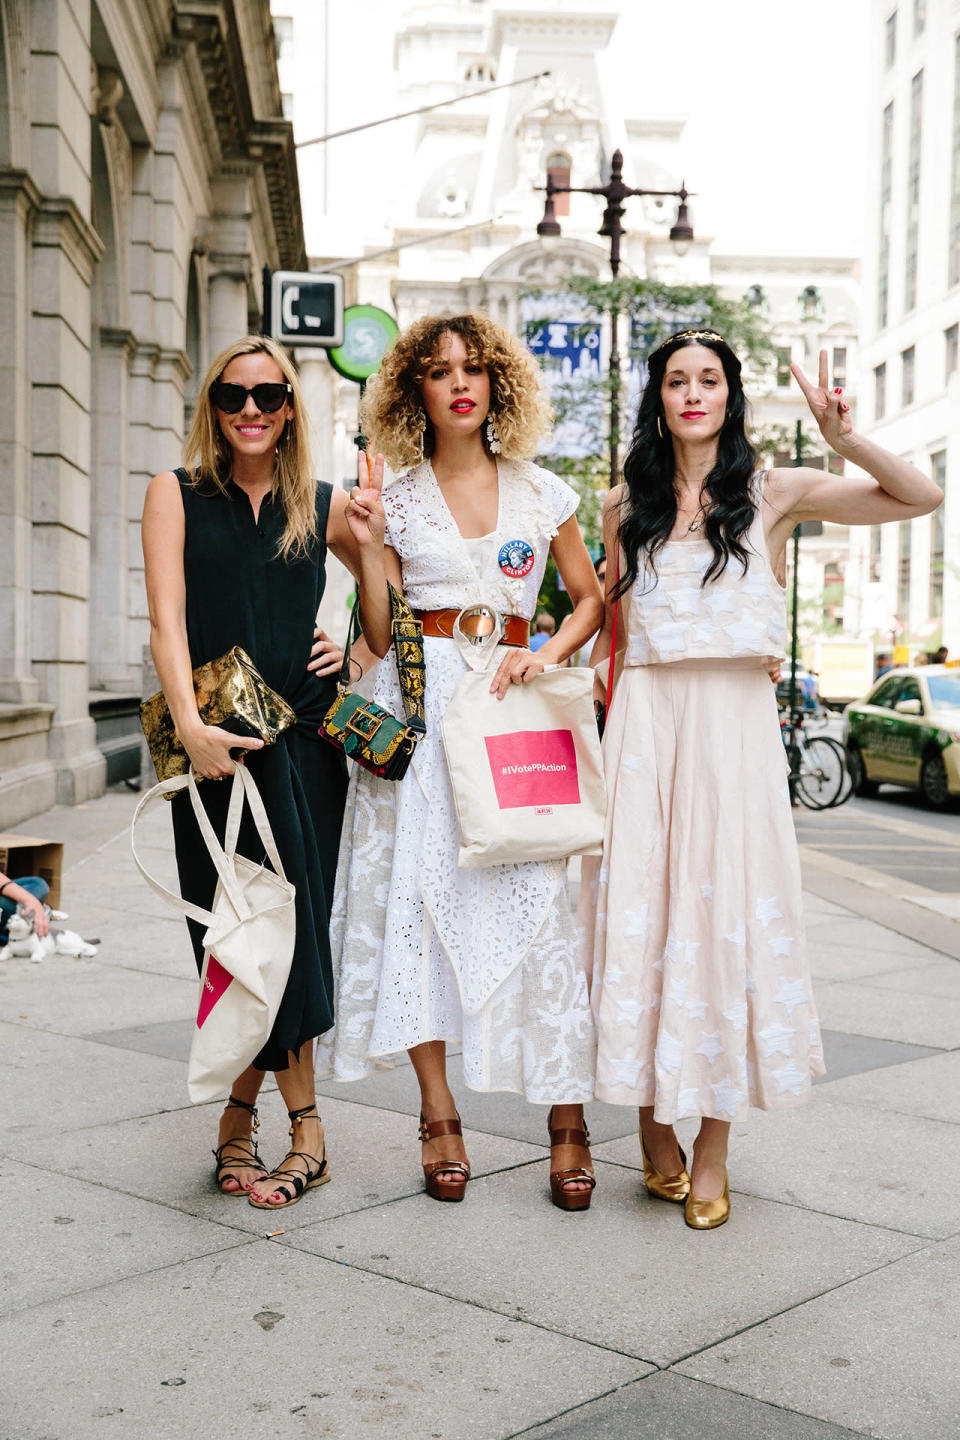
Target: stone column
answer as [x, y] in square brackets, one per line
[110, 657]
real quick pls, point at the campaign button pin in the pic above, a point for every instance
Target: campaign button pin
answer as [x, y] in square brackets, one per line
[516, 559]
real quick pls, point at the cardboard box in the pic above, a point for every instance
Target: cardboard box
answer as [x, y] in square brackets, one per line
[22, 855]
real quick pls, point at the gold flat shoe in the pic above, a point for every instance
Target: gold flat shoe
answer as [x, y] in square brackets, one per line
[708, 1214]
[665, 1187]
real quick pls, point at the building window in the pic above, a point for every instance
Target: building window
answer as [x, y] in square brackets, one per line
[283, 36]
[886, 189]
[840, 366]
[890, 40]
[811, 305]
[756, 298]
[903, 574]
[908, 363]
[784, 356]
[879, 392]
[480, 72]
[913, 192]
[938, 464]
[919, 16]
[558, 171]
[953, 250]
[951, 345]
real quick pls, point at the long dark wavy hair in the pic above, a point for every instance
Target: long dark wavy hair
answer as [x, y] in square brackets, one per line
[649, 508]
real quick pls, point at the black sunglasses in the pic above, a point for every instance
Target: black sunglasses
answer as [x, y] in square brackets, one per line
[268, 396]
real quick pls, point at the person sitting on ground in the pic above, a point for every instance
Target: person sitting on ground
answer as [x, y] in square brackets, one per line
[30, 892]
[940, 656]
[544, 629]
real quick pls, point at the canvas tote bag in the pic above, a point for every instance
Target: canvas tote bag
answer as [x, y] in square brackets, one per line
[248, 945]
[526, 771]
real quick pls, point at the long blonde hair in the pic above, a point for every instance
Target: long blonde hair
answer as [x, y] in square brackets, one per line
[393, 411]
[209, 458]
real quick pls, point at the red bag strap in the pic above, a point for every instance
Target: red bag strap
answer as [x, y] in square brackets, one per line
[613, 643]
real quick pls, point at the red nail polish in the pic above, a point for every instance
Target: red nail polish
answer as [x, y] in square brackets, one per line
[837, 390]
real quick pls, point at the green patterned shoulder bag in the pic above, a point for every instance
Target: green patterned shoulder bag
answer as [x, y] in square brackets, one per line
[363, 730]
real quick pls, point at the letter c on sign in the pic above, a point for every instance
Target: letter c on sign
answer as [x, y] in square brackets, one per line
[289, 316]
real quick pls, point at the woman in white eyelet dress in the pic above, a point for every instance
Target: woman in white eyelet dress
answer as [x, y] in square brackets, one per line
[424, 951]
[693, 921]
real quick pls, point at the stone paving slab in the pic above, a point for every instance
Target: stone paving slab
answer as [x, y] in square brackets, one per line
[866, 1009]
[844, 1160]
[63, 1235]
[829, 961]
[867, 936]
[55, 1084]
[265, 1340]
[170, 1038]
[879, 1355]
[941, 979]
[374, 1158]
[667, 1406]
[74, 997]
[151, 943]
[848, 1054]
[928, 1087]
[595, 1275]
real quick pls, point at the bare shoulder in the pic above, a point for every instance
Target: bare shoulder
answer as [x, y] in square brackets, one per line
[613, 501]
[163, 498]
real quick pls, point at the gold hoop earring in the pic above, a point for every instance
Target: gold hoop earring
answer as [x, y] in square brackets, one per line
[659, 428]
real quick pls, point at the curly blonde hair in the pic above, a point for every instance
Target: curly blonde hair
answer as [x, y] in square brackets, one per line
[209, 458]
[393, 413]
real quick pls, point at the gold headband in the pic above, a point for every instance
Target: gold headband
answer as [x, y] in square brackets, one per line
[696, 335]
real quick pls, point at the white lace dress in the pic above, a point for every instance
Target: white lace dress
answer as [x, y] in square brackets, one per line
[423, 950]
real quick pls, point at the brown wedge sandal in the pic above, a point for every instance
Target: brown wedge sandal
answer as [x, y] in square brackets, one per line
[244, 1156]
[444, 1179]
[563, 1198]
[295, 1181]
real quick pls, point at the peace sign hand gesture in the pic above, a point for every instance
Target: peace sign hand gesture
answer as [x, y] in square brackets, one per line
[364, 510]
[828, 407]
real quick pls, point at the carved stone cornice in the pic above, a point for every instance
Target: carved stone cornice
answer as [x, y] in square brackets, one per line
[211, 25]
[119, 339]
[20, 187]
[273, 141]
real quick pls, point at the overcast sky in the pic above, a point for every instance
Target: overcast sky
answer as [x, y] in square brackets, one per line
[774, 92]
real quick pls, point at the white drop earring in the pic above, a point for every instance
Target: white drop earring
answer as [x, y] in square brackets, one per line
[493, 435]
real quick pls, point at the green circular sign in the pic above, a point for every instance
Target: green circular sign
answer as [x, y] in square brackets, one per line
[368, 333]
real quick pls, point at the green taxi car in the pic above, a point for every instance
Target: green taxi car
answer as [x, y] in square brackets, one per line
[906, 731]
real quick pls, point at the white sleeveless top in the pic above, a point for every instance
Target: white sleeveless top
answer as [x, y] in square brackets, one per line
[672, 617]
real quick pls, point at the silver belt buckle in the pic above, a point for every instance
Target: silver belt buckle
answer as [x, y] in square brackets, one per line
[477, 624]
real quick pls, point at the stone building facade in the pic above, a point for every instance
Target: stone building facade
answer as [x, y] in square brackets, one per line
[146, 177]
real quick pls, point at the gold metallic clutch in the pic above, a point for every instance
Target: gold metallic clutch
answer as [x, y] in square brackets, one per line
[231, 693]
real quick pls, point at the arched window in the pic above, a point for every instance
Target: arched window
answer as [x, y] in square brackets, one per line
[480, 72]
[558, 171]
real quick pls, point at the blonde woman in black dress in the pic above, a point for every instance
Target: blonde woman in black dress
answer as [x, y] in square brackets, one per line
[234, 550]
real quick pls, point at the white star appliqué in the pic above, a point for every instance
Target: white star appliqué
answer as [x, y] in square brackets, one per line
[673, 947]
[697, 1007]
[633, 763]
[638, 923]
[726, 1096]
[777, 1038]
[626, 1070]
[767, 911]
[737, 1014]
[790, 1080]
[782, 944]
[746, 631]
[791, 994]
[815, 1034]
[688, 1101]
[613, 975]
[738, 937]
[685, 602]
[677, 990]
[669, 1052]
[689, 956]
[720, 602]
[629, 1011]
[706, 890]
[710, 1045]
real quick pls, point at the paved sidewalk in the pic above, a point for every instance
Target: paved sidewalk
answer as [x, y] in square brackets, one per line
[138, 1302]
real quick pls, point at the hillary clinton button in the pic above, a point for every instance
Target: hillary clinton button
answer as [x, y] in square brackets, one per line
[516, 559]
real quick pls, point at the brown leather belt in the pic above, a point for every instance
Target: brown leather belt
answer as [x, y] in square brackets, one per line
[439, 623]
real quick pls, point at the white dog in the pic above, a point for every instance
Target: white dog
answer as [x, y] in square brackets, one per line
[23, 941]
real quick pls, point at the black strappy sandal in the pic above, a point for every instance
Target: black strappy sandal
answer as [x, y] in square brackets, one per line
[248, 1159]
[294, 1184]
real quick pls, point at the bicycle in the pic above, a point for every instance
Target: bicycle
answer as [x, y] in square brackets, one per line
[818, 771]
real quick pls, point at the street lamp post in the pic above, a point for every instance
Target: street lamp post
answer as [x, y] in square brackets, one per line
[614, 193]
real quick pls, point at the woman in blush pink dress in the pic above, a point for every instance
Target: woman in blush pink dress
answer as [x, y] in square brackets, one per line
[701, 988]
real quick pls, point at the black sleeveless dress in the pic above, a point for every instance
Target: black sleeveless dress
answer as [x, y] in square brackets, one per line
[239, 592]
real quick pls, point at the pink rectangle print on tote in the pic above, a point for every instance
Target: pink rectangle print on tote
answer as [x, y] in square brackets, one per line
[534, 768]
[215, 984]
